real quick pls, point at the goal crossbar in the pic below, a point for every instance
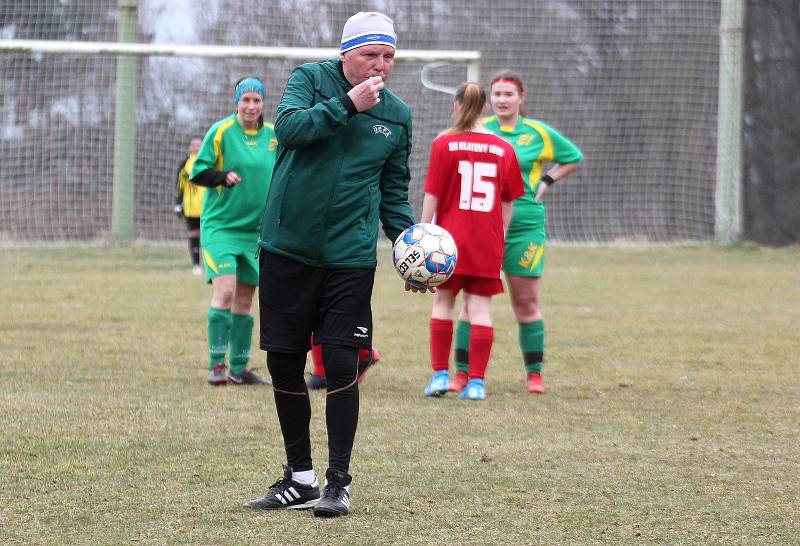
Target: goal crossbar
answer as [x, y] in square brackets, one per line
[186, 50]
[471, 58]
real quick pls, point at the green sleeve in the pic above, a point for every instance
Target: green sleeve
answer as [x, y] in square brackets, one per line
[395, 211]
[206, 156]
[564, 150]
[296, 123]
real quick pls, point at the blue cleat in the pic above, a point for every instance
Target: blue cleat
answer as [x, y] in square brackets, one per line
[438, 384]
[475, 390]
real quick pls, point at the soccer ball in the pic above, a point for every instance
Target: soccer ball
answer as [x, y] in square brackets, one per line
[425, 255]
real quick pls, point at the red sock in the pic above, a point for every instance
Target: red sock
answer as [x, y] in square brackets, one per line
[480, 349]
[316, 358]
[441, 339]
[363, 354]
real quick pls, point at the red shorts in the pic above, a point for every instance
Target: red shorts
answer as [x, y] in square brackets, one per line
[480, 286]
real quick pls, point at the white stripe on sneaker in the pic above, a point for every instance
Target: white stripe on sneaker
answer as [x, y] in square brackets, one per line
[307, 504]
[294, 492]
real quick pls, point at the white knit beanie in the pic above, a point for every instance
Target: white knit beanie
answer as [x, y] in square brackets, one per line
[366, 28]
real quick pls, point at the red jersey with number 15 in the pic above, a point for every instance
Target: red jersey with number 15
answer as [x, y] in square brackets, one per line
[470, 174]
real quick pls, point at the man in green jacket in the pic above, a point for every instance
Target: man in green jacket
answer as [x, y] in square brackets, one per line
[342, 164]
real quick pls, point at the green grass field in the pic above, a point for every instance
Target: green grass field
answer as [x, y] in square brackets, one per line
[673, 416]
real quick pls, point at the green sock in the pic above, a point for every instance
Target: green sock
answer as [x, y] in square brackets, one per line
[241, 340]
[219, 329]
[462, 346]
[531, 341]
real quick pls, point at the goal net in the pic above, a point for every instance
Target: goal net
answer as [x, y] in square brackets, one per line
[632, 82]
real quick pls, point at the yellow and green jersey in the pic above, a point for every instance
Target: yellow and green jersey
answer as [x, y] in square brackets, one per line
[534, 143]
[233, 213]
[188, 194]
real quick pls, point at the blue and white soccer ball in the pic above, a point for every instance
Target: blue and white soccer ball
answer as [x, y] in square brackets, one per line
[425, 255]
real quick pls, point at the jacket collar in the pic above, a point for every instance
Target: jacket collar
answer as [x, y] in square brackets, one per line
[340, 72]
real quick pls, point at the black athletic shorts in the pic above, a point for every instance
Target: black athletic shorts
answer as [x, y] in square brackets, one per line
[192, 223]
[296, 299]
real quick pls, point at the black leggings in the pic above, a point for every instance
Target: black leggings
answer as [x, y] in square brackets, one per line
[294, 408]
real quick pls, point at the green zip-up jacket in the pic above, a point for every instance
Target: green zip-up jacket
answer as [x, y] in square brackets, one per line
[336, 174]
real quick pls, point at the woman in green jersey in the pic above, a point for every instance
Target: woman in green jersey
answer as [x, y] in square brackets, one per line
[235, 162]
[523, 260]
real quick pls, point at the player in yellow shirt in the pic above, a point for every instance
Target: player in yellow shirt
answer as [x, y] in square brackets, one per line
[189, 204]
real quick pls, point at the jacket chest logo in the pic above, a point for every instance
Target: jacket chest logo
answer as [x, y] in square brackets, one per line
[382, 129]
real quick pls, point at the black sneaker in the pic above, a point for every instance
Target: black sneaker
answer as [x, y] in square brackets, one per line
[335, 500]
[247, 377]
[316, 382]
[287, 493]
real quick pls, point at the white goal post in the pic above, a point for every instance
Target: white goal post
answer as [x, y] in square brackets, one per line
[434, 59]
[472, 58]
[128, 114]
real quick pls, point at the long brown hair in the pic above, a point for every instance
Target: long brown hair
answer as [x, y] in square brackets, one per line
[513, 77]
[472, 99]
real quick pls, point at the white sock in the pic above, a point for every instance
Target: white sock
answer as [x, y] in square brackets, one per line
[306, 477]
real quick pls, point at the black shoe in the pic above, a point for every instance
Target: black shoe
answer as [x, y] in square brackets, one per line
[287, 493]
[335, 500]
[247, 377]
[316, 382]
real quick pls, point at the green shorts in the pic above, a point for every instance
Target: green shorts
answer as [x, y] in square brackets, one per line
[231, 259]
[524, 252]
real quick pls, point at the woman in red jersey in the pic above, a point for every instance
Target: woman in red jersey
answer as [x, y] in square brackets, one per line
[473, 176]
[535, 143]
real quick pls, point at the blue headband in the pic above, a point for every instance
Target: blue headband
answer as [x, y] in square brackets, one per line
[367, 39]
[247, 85]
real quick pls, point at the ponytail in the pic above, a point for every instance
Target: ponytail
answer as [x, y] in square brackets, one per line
[472, 99]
